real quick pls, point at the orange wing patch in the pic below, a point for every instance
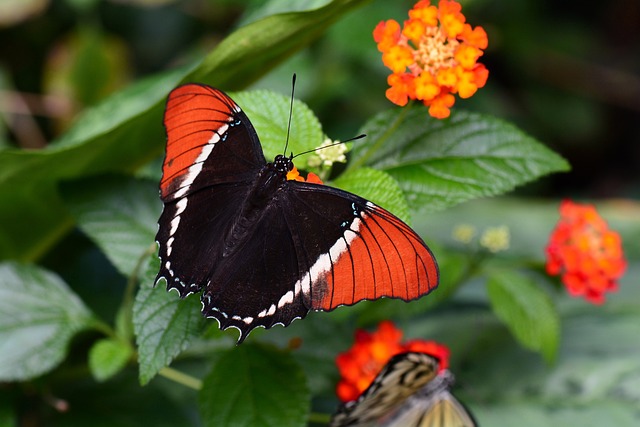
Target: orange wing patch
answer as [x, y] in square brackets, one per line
[193, 116]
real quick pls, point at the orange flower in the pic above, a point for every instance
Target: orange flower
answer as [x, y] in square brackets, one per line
[360, 364]
[294, 175]
[433, 56]
[586, 254]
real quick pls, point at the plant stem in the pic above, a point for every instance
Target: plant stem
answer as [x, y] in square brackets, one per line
[181, 378]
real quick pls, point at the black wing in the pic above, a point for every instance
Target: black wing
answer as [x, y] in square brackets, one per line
[213, 155]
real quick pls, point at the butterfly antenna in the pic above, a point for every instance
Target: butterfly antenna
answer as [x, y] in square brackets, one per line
[293, 89]
[330, 145]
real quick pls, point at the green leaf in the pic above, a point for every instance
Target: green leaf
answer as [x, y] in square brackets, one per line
[377, 186]
[439, 163]
[262, 387]
[254, 49]
[40, 315]
[526, 310]
[269, 114]
[116, 136]
[119, 214]
[125, 131]
[107, 357]
[164, 324]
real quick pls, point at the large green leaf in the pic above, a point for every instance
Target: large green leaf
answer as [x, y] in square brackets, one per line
[40, 315]
[269, 114]
[164, 324]
[439, 163]
[125, 131]
[255, 386]
[265, 43]
[526, 310]
[119, 214]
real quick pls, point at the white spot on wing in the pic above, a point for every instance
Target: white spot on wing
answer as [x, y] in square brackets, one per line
[196, 167]
[174, 225]
[169, 243]
[319, 268]
[286, 299]
[181, 206]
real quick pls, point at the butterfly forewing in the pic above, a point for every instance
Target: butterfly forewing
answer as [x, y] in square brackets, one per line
[209, 141]
[212, 157]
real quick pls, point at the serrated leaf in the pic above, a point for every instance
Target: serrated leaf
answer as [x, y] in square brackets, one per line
[526, 310]
[125, 131]
[119, 214]
[376, 186]
[269, 114]
[439, 163]
[255, 386]
[40, 315]
[163, 323]
[107, 357]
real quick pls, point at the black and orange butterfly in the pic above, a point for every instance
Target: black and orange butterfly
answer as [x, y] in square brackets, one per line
[265, 250]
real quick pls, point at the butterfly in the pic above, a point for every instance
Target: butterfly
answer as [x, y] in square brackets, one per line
[408, 392]
[264, 250]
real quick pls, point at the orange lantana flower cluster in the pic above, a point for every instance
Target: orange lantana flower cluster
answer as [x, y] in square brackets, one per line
[433, 56]
[360, 364]
[294, 175]
[585, 252]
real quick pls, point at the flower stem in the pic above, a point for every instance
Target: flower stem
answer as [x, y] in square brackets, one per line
[373, 148]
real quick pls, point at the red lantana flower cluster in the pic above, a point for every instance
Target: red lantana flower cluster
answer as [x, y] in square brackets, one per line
[360, 364]
[294, 175]
[433, 56]
[585, 252]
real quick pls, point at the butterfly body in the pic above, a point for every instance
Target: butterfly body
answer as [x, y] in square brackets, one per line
[264, 250]
[271, 180]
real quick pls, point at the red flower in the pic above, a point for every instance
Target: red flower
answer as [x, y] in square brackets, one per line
[433, 56]
[360, 364]
[294, 175]
[586, 254]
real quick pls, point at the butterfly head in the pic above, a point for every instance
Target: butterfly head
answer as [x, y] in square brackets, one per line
[283, 164]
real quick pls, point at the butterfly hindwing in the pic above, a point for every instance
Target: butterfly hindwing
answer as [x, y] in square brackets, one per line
[363, 251]
[254, 285]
